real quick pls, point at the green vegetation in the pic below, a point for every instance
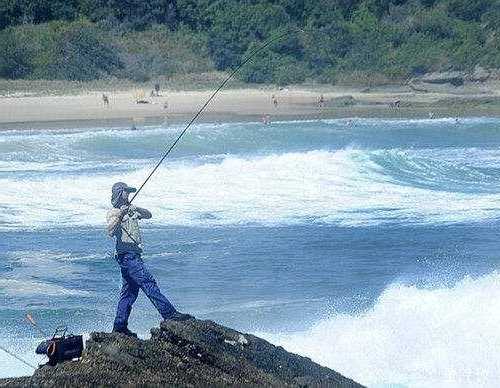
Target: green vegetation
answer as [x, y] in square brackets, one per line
[84, 40]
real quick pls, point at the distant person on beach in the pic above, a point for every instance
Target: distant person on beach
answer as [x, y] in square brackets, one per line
[105, 99]
[321, 101]
[157, 89]
[274, 100]
[123, 223]
[395, 104]
[266, 119]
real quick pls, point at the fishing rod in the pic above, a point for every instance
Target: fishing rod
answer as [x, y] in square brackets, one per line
[226, 80]
[31, 320]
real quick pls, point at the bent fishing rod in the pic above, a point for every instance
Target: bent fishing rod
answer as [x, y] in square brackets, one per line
[200, 111]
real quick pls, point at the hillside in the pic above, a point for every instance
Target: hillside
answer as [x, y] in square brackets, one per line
[340, 42]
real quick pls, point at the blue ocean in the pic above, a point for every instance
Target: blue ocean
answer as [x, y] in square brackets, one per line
[369, 245]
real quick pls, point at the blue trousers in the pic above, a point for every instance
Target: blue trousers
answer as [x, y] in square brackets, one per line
[135, 276]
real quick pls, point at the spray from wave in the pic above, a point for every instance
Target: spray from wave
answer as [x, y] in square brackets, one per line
[441, 337]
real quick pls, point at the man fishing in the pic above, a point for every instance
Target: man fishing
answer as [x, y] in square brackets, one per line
[123, 223]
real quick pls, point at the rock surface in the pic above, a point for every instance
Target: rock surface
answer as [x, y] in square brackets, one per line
[456, 78]
[191, 353]
[479, 74]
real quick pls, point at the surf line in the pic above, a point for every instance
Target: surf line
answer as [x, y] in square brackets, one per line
[226, 80]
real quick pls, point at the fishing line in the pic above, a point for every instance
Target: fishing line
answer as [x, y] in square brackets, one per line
[31, 320]
[243, 63]
[17, 357]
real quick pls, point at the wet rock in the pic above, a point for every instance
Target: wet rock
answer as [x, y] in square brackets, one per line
[190, 353]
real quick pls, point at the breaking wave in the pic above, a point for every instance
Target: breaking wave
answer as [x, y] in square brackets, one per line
[413, 337]
[351, 187]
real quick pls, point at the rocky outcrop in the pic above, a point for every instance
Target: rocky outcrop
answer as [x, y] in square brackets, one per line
[456, 78]
[479, 74]
[191, 353]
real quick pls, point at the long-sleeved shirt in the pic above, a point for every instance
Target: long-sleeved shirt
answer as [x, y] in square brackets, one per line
[126, 228]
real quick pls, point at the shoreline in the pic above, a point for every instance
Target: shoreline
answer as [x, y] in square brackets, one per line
[87, 110]
[90, 124]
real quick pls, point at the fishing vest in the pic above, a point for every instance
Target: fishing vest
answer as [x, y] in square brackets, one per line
[129, 237]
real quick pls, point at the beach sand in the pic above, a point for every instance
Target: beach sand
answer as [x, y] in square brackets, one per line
[25, 111]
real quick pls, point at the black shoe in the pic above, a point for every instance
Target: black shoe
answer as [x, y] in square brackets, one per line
[125, 331]
[178, 316]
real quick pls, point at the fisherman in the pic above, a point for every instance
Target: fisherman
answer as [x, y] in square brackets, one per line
[122, 223]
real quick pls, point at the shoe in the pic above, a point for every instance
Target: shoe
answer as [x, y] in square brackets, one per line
[125, 331]
[178, 316]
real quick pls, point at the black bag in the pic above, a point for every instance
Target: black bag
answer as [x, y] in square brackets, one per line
[61, 347]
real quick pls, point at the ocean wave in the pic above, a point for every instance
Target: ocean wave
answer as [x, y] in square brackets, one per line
[412, 337]
[98, 145]
[50, 273]
[455, 170]
[348, 187]
[17, 288]
[418, 121]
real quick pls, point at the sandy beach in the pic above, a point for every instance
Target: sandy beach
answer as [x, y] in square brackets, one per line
[25, 110]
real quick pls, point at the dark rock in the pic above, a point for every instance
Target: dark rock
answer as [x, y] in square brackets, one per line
[190, 353]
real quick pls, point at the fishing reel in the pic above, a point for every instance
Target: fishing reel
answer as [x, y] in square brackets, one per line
[61, 347]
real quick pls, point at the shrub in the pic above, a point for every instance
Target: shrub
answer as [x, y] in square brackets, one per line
[16, 54]
[81, 52]
[160, 52]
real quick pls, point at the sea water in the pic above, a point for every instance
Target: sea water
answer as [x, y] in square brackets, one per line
[368, 245]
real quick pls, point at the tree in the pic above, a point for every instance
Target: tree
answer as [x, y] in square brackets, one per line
[468, 10]
[135, 14]
[15, 58]
[81, 52]
[235, 26]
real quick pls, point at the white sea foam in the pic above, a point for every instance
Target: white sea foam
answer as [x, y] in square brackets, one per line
[413, 122]
[413, 337]
[14, 287]
[346, 187]
[42, 273]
